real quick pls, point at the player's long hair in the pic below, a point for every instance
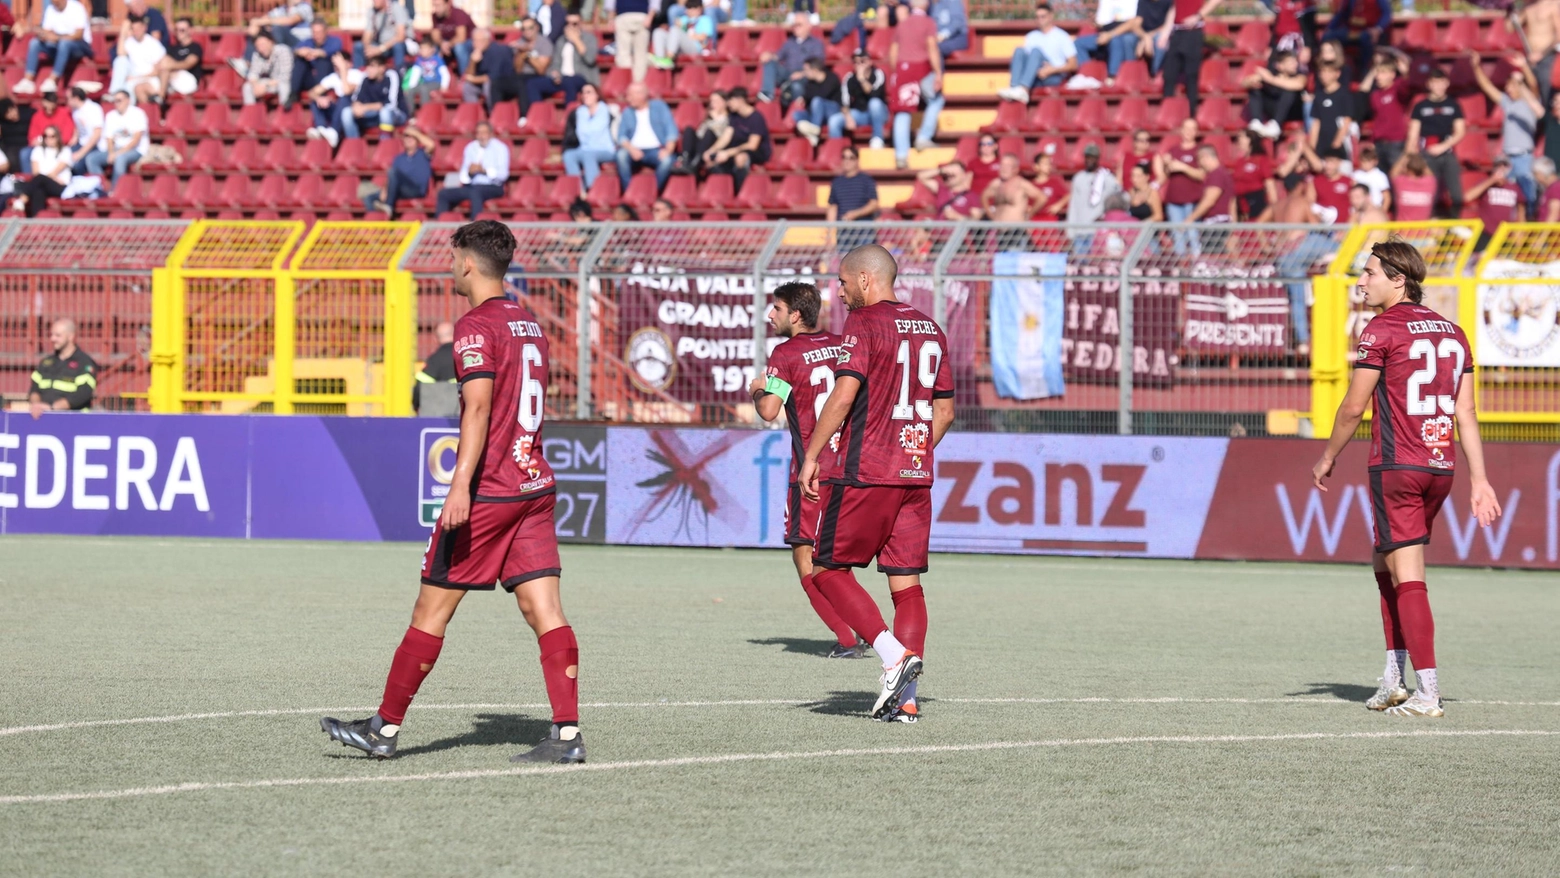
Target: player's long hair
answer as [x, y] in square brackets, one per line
[802, 298]
[1399, 258]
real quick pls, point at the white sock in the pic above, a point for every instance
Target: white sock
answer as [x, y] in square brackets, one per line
[888, 648]
[1427, 686]
[1397, 660]
[909, 696]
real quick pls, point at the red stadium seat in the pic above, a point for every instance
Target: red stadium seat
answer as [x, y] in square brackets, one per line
[734, 45]
[1460, 36]
[200, 191]
[770, 39]
[281, 155]
[448, 161]
[215, 120]
[1010, 118]
[1046, 115]
[658, 82]
[1132, 78]
[1170, 113]
[681, 190]
[828, 155]
[223, 84]
[640, 193]
[384, 153]
[1095, 70]
[1473, 150]
[180, 120]
[343, 193]
[693, 82]
[877, 42]
[543, 118]
[154, 124]
[795, 155]
[1419, 35]
[1089, 116]
[531, 156]
[717, 191]
[1476, 110]
[126, 194]
[795, 191]
[605, 192]
[615, 83]
[526, 192]
[165, 192]
[294, 122]
[463, 122]
[230, 46]
[1252, 40]
[252, 120]
[1215, 114]
[506, 120]
[689, 114]
[565, 190]
[246, 156]
[352, 155]
[732, 75]
[430, 117]
[1498, 37]
[308, 191]
[236, 192]
[274, 192]
[921, 200]
[1129, 115]
[316, 156]
[755, 191]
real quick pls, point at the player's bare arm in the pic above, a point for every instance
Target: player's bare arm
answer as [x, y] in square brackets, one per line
[942, 418]
[477, 394]
[1350, 413]
[765, 403]
[829, 421]
[1485, 507]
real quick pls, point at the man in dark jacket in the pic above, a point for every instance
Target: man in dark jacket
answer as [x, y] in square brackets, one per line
[820, 99]
[64, 380]
[439, 368]
[865, 100]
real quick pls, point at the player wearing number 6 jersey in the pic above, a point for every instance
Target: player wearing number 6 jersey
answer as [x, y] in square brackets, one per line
[891, 404]
[497, 523]
[798, 378]
[1415, 366]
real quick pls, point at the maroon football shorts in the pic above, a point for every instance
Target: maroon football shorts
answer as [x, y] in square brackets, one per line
[506, 543]
[801, 518]
[894, 524]
[1404, 503]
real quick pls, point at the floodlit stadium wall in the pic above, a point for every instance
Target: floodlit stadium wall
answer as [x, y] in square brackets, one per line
[344, 478]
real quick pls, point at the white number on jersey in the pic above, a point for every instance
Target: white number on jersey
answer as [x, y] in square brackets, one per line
[929, 359]
[821, 375]
[1425, 349]
[532, 393]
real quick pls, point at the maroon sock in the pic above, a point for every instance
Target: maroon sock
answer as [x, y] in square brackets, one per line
[1390, 622]
[910, 619]
[1413, 605]
[413, 660]
[561, 670]
[820, 605]
[851, 601]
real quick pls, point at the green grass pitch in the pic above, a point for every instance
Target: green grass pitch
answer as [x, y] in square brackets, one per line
[1080, 716]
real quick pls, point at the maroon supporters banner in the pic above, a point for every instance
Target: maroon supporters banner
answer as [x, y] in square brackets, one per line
[1091, 327]
[1247, 316]
[688, 336]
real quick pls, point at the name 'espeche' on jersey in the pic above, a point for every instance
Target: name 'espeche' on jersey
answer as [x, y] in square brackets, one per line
[501, 340]
[900, 356]
[805, 363]
[1422, 357]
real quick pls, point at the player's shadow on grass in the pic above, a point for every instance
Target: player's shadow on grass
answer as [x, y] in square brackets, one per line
[801, 645]
[489, 729]
[1340, 691]
[842, 704]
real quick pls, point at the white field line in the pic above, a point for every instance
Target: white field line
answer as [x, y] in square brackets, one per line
[623, 705]
[777, 756]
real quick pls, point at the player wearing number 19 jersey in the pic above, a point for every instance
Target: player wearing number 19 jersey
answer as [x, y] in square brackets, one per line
[798, 378]
[891, 404]
[1412, 364]
[496, 527]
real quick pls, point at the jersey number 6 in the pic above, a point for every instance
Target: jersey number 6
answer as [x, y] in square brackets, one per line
[531, 390]
[927, 362]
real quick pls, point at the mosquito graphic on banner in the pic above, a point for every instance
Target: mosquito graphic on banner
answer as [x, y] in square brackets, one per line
[1026, 324]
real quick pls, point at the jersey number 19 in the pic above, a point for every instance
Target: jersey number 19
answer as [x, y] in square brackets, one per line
[928, 360]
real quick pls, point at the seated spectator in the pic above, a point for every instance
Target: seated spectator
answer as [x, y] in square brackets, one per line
[1361, 24]
[384, 37]
[316, 58]
[661, 211]
[327, 100]
[287, 23]
[624, 213]
[782, 70]
[269, 72]
[65, 380]
[1117, 38]
[853, 198]
[1362, 211]
[1141, 152]
[1054, 191]
[1435, 126]
[1331, 52]
[125, 131]
[48, 114]
[1047, 58]
[746, 143]
[1255, 189]
[680, 35]
[916, 77]
[452, 29]
[953, 185]
[51, 174]
[953, 26]
[1010, 198]
[820, 99]
[484, 169]
[14, 120]
[1274, 95]
[156, 23]
[179, 72]
[587, 137]
[647, 137]
[1369, 174]
[1090, 187]
[137, 55]
[533, 58]
[865, 100]
[1552, 130]
[1294, 28]
[1331, 191]
[491, 67]
[549, 15]
[1520, 111]
[377, 101]
[426, 76]
[698, 143]
[888, 15]
[1217, 204]
[409, 175]
[574, 65]
[1549, 185]
[87, 116]
[1332, 113]
[1388, 96]
[63, 36]
[1498, 200]
[1143, 195]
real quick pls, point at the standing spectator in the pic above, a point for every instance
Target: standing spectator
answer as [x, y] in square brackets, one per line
[49, 114]
[1552, 128]
[953, 185]
[1158, 20]
[1090, 187]
[647, 137]
[590, 124]
[51, 174]
[1275, 95]
[135, 62]
[14, 121]
[1361, 24]
[853, 198]
[1331, 191]
[1549, 202]
[65, 380]
[287, 23]
[533, 58]
[1182, 181]
[864, 101]
[439, 368]
[1117, 37]
[314, 58]
[1387, 84]
[1047, 57]
[747, 141]
[179, 71]
[1370, 175]
[1520, 111]
[1184, 54]
[549, 15]
[376, 101]
[573, 65]
[384, 37]
[1143, 196]
[409, 176]
[1435, 127]
[821, 98]
[125, 129]
[1255, 189]
[63, 36]
[1299, 252]
[1217, 204]
[917, 76]
[1294, 28]
[1413, 189]
[87, 117]
[491, 68]
[631, 36]
[1140, 153]
[270, 72]
[452, 29]
[987, 165]
[1010, 198]
[1499, 200]
[803, 10]
[1541, 27]
[1332, 112]
[698, 143]
[484, 169]
[953, 26]
[1054, 191]
[782, 71]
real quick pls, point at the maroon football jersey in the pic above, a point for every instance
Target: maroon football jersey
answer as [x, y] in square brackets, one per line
[901, 359]
[500, 340]
[805, 362]
[1422, 357]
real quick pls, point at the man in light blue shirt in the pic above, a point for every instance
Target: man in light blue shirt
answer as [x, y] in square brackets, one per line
[953, 26]
[1047, 57]
[484, 169]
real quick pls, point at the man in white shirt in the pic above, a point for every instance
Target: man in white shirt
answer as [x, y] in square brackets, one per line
[647, 137]
[1117, 37]
[484, 169]
[87, 115]
[1047, 57]
[125, 136]
[64, 35]
[135, 64]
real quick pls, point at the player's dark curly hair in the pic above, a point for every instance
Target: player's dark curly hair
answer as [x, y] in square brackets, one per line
[490, 244]
[803, 298]
[1401, 259]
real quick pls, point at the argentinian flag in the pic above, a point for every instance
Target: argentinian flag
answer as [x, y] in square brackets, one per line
[1026, 324]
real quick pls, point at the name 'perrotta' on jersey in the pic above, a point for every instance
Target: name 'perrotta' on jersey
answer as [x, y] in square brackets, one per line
[501, 340]
[900, 356]
[805, 364]
[1422, 357]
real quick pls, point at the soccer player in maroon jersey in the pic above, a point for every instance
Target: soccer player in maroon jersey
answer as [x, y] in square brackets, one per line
[1413, 364]
[497, 521]
[798, 378]
[891, 404]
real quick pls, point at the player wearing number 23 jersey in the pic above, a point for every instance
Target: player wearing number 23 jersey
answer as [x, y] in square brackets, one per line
[801, 371]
